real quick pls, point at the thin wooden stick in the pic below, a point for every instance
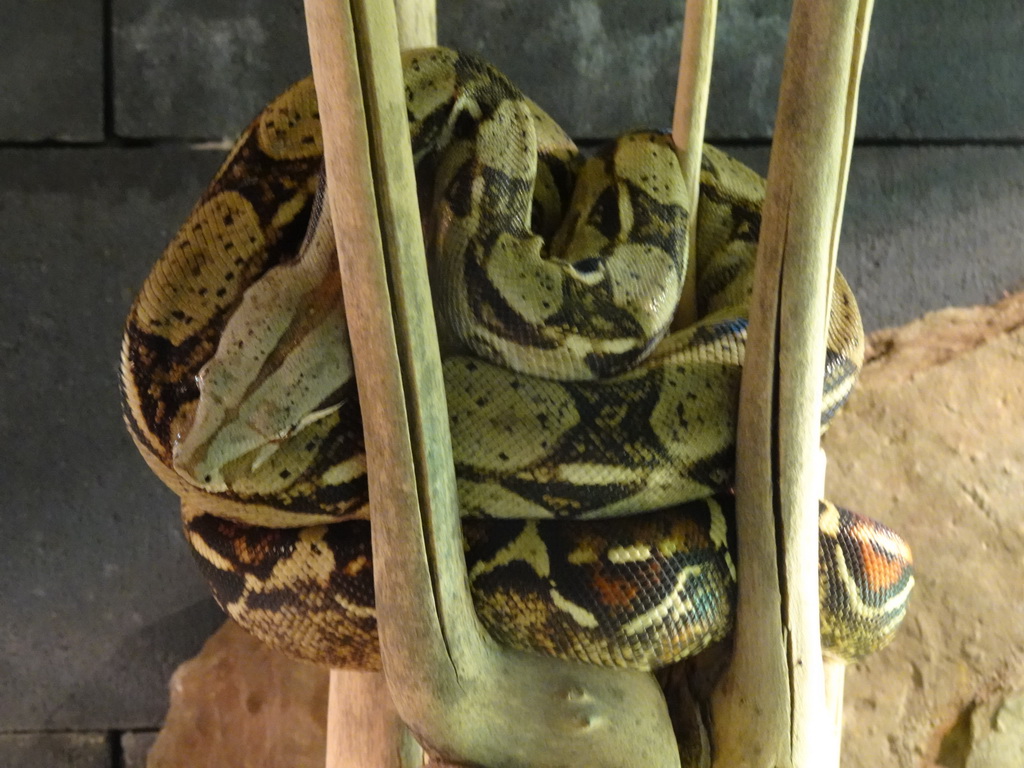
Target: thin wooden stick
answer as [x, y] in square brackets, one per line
[835, 682]
[688, 118]
[834, 670]
[363, 728]
[769, 708]
[417, 23]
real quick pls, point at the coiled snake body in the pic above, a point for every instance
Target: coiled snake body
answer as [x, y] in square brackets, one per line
[556, 281]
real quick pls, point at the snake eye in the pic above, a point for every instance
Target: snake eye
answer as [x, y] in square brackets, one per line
[587, 266]
[465, 126]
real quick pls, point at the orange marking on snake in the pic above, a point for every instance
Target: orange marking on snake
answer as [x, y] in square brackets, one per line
[619, 592]
[885, 558]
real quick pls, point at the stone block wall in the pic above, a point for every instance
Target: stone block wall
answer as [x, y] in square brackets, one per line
[113, 115]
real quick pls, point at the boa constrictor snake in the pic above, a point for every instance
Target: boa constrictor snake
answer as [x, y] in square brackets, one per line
[556, 280]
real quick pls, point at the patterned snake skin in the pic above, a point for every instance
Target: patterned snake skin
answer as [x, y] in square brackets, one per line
[603, 441]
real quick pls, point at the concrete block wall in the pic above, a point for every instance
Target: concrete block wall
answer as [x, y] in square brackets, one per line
[113, 115]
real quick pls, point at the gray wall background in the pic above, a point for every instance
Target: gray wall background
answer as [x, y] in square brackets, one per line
[113, 115]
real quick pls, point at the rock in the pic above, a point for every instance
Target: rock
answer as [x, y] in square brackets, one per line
[932, 443]
[238, 704]
[997, 734]
[989, 734]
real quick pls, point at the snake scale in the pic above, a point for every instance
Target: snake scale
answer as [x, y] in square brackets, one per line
[593, 446]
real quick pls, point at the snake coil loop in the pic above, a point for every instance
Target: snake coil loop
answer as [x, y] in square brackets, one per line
[570, 403]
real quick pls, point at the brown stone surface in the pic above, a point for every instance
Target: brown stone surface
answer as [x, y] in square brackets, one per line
[239, 704]
[996, 736]
[932, 443]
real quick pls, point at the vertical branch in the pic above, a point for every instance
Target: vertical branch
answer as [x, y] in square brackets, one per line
[688, 118]
[417, 23]
[363, 728]
[769, 709]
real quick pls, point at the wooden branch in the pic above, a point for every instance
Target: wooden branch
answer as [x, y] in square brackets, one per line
[688, 118]
[363, 728]
[417, 23]
[834, 670]
[835, 682]
[468, 699]
[769, 709]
